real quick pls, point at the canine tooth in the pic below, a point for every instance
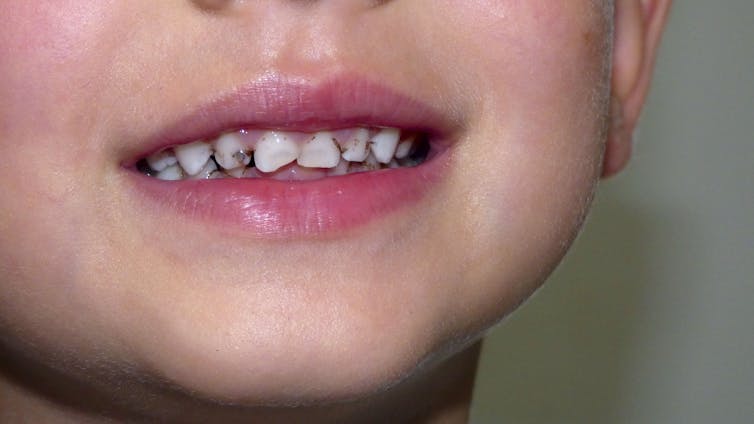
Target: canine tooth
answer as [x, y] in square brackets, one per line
[385, 143]
[404, 148]
[206, 172]
[161, 160]
[320, 152]
[230, 152]
[171, 173]
[275, 150]
[193, 156]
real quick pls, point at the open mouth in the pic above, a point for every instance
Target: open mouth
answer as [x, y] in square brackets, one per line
[292, 157]
[288, 156]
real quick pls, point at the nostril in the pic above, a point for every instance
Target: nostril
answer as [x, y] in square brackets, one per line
[212, 5]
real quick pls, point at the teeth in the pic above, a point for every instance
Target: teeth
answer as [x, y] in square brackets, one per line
[171, 173]
[193, 156]
[404, 148]
[161, 160]
[230, 152]
[206, 172]
[341, 169]
[320, 152]
[275, 150]
[385, 143]
[288, 155]
[355, 149]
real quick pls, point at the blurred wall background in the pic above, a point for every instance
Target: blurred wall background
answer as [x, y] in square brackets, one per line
[650, 319]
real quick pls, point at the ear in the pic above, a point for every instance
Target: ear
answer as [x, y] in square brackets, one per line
[638, 28]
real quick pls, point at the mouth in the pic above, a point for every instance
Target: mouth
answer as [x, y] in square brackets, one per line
[290, 157]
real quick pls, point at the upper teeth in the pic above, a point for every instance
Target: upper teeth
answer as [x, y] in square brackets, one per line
[275, 150]
[320, 152]
[272, 150]
[193, 156]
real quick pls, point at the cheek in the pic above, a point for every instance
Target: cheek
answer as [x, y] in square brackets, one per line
[531, 159]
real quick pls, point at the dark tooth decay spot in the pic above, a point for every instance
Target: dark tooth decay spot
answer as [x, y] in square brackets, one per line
[143, 167]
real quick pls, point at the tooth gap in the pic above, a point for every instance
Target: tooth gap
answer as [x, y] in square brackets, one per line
[421, 149]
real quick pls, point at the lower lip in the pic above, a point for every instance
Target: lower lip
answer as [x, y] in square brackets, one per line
[278, 209]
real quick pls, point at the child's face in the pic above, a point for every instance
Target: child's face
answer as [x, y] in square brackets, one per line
[217, 289]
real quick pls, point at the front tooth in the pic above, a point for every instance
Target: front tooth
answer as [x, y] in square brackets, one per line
[230, 152]
[275, 150]
[171, 173]
[161, 160]
[385, 143]
[404, 148]
[193, 156]
[320, 152]
[356, 149]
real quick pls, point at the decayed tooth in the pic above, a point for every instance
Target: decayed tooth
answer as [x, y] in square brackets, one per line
[341, 169]
[355, 149]
[230, 152]
[320, 152]
[385, 143]
[193, 156]
[275, 150]
[171, 173]
[404, 148]
[161, 160]
[206, 172]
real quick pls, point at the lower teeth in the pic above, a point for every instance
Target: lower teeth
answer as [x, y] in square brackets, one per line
[290, 172]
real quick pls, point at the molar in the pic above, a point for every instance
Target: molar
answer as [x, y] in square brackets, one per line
[161, 160]
[193, 156]
[171, 173]
[230, 152]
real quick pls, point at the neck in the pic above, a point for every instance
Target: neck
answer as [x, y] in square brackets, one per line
[441, 395]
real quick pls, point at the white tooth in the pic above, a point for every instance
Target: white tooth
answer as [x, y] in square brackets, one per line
[171, 173]
[385, 143]
[236, 172]
[404, 148]
[161, 160]
[275, 150]
[355, 149]
[193, 156]
[206, 172]
[393, 164]
[230, 152]
[320, 152]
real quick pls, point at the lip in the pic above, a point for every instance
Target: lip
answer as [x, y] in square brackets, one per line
[280, 209]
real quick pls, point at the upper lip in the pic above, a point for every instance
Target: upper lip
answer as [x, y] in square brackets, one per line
[284, 102]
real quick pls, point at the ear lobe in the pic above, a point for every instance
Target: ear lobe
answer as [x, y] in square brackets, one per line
[638, 30]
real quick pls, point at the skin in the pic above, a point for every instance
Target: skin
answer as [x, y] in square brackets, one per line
[109, 310]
